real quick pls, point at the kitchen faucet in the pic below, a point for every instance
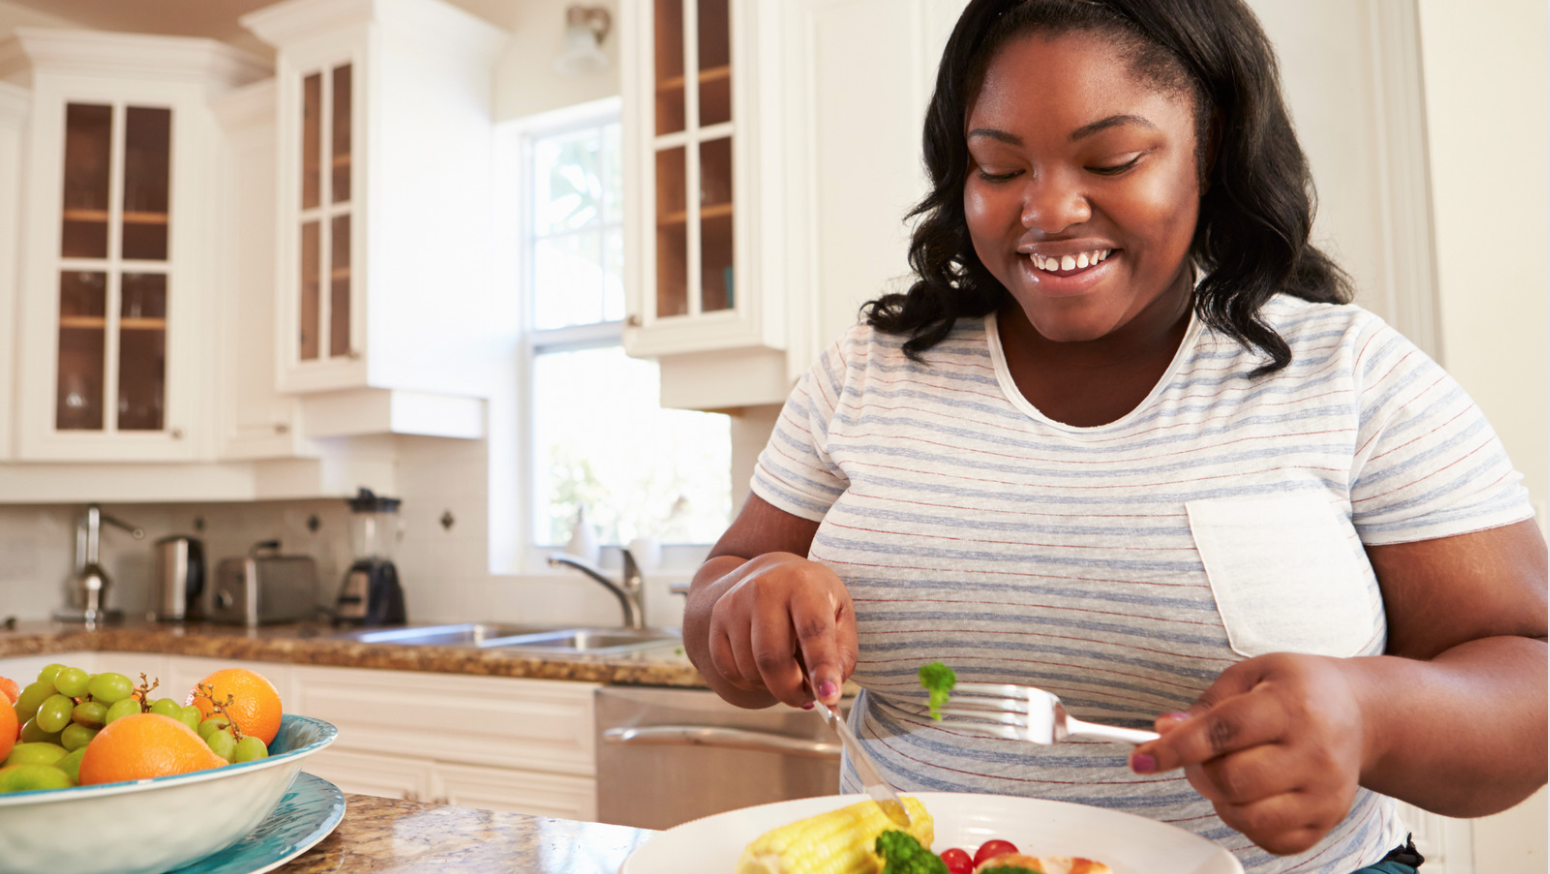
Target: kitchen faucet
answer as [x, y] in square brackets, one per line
[630, 592]
[91, 582]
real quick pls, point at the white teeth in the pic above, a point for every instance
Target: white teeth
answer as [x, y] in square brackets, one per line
[1081, 260]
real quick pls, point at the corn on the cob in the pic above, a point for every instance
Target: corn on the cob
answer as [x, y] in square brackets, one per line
[837, 842]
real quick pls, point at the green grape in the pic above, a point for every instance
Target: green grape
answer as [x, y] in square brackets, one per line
[191, 716]
[121, 709]
[71, 764]
[111, 688]
[49, 672]
[54, 714]
[32, 734]
[166, 707]
[212, 725]
[24, 778]
[250, 749]
[71, 682]
[222, 743]
[32, 697]
[76, 737]
[35, 754]
[92, 714]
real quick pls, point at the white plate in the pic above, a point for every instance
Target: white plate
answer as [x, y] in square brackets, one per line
[1127, 843]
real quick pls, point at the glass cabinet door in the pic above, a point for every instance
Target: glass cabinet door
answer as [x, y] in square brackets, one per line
[114, 269]
[693, 157]
[323, 286]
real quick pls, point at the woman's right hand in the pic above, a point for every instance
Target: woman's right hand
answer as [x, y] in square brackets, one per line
[775, 614]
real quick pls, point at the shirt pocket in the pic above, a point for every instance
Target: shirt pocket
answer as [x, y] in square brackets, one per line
[1285, 575]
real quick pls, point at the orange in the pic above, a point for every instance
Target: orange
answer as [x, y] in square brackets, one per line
[9, 689]
[8, 729]
[255, 703]
[144, 745]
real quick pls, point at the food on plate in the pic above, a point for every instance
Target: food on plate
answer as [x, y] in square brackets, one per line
[1017, 863]
[957, 861]
[937, 679]
[902, 854]
[838, 842]
[99, 728]
[992, 848]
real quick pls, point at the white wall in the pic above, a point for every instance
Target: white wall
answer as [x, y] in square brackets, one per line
[1485, 66]
[525, 80]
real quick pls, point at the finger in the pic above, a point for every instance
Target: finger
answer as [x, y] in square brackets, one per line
[743, 657]
[845, 637]
[773, 649]
[1236, 723]
[724, 661]
[1247, 776]
[1283, 824]
[813, 624]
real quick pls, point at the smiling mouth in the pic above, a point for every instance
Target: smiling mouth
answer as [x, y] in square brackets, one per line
[1070, 265]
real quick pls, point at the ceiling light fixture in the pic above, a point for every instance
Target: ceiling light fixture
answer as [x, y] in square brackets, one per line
[585, 29]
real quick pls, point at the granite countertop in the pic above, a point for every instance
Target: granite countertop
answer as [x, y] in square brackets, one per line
[316, 644]
[382, 834]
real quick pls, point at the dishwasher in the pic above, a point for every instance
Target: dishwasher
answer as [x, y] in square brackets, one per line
[666, 756]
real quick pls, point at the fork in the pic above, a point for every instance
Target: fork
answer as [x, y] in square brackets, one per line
[1021, 713]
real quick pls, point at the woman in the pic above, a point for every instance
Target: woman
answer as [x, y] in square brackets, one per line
[1124, 440]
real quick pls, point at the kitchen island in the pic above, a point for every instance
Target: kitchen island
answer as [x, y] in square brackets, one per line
[381, 834]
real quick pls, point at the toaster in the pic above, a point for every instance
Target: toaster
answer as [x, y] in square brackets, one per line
[263, 587]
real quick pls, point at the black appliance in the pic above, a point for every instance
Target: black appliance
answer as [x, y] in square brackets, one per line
[371, 594]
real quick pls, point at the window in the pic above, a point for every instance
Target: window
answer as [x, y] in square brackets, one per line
[599, 439]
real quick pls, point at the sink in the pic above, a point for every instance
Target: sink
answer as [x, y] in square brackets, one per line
[477, 634]
[593, 640]
[524, 638]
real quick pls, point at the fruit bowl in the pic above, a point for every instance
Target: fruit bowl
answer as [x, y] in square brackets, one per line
[155, 825]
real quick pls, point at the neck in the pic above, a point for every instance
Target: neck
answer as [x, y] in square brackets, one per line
[1154, 332]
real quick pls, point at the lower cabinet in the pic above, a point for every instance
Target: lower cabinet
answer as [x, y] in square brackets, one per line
[492, 743]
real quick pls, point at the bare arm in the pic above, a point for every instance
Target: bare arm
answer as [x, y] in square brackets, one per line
[1452, 718]
[758, 604]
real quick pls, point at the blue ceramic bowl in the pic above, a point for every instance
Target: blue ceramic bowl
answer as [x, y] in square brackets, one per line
[155, 825]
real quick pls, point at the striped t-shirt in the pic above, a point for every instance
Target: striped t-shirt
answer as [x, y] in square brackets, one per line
[1124, 566]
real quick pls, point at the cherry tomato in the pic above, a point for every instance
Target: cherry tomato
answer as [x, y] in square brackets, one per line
[993, 848]
[958, 861]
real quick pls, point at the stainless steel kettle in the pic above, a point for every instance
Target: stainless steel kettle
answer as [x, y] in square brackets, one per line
[179, 580]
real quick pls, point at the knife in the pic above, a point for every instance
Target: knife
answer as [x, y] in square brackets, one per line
[871, 779]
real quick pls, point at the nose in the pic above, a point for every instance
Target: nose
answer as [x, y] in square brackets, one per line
[1052, 203]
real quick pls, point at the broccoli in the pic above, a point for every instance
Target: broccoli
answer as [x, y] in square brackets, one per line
[902, 854]
[938, 679]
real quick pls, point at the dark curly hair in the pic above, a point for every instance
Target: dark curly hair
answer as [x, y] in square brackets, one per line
[1251, 240]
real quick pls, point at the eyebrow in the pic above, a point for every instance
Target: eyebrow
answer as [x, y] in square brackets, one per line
[1082, 132]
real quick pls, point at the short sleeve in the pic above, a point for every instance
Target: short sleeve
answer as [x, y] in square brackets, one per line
[794, 473]
[1427, 462]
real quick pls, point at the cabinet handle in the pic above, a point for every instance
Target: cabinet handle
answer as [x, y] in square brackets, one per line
[282, 428]
[411, 795]
[632, 321]
[176, 433]
[355, 354]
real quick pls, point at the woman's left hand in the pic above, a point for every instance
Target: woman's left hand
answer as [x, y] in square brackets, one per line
[1277, 744]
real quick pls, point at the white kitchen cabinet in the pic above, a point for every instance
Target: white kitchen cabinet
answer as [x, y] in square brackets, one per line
[256, 420]
[383, 205]
[14, 101]
[824, 134]
[495, 743]
[117, 258]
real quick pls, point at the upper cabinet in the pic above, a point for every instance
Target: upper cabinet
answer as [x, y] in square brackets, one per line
[383, 207]
[117, 262]
[698, 255]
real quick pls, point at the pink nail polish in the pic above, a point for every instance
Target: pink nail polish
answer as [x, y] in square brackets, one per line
[807, 706]
[828, 689]
[1142, 763]
[1176, 715]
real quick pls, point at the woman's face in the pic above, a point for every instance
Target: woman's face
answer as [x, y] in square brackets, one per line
[1082, 192]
